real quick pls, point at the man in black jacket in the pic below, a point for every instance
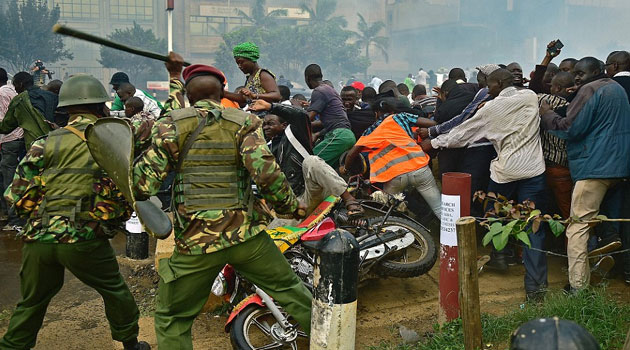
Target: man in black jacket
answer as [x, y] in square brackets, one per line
[618, 68]
[311, 179]
[452, 100]
[360, 119]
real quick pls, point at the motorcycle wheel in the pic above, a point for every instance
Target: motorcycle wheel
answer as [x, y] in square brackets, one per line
[413, 261]
[255, 328]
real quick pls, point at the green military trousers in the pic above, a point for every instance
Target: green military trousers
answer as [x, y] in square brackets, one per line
[186, 282]
[93, 263]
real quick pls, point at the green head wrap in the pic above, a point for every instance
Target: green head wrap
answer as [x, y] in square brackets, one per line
[247, 50]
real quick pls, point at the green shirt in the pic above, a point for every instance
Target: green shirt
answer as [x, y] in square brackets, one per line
[208, 231]
[118, 105]
[21, 113]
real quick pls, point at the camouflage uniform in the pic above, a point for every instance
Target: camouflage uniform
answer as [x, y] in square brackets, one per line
[56, 242]
[208, 239]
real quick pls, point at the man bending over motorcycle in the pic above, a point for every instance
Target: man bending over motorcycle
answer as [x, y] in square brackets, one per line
[396, 159]
[312, 180]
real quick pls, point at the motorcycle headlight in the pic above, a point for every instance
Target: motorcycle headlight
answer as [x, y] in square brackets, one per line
[219, 287]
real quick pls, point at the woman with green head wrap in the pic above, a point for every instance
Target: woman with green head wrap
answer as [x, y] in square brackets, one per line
[261, 83]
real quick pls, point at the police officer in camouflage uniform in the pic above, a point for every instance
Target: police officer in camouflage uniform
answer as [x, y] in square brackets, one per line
[216, 153]
[72, 207]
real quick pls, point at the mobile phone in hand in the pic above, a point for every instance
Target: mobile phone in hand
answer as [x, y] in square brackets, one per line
[555, 48]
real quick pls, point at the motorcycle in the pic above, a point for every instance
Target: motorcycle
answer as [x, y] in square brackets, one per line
[391, 245]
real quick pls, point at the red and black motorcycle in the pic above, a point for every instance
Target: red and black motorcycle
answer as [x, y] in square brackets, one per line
[391, 245]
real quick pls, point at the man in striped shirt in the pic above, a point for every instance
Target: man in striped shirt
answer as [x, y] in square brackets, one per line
[510, 121]
[597, 130]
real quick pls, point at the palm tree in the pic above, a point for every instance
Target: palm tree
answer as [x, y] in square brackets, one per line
[323, 11]
[260, 18]
[368, 36]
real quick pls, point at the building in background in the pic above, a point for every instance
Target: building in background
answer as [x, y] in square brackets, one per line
[199, 24]
[446, 33]
[423, 33]
[102, 17]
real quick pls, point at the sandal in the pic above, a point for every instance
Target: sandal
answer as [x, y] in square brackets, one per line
[355, 210]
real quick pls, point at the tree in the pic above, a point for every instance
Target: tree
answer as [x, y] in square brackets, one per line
[27, 36]
[224, 58]
[288, 49]
[324, 44]
[368, 36]
[322, 13]
[260, 18]
[138, 68]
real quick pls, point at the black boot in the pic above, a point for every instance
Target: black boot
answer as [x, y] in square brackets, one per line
[498, 261]
[136, 345]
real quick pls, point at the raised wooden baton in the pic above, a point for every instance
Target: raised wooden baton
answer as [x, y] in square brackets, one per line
[63, 30]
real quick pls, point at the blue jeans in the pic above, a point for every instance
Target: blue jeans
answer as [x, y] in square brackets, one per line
[535, 262]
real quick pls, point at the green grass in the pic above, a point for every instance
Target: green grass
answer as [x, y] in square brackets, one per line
[607, 320]
[5, 315]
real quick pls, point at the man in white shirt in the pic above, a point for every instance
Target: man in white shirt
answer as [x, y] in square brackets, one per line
[126, 90]
[421, 78]
[511, 123]
[376, 82]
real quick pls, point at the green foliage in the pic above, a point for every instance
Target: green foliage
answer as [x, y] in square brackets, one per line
[556, 227]
[508, 219]
[288, 49]
[138, 68]
[605, 319]
[5, 315]
[27, 36]
[368, 36]
[323, 13]
[259, 16]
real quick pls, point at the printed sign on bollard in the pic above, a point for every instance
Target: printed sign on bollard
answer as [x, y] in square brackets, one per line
[456, 199]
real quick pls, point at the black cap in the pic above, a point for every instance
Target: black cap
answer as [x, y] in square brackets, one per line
[119, 78]
[552, 334]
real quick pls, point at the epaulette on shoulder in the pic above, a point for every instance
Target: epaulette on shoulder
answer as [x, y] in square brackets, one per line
[183, 113]
[234, 115]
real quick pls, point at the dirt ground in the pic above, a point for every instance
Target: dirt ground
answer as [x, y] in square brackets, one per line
[76, 319]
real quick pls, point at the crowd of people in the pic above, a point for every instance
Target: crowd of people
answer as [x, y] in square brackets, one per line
[560, 139]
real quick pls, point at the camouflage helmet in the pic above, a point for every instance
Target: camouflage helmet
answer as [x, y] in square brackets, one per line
[82, 89]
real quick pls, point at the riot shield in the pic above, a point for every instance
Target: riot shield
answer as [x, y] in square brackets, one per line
[110, 141]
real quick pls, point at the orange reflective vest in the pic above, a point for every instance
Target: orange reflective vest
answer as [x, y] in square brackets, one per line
[227, 103]
[392, 152]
